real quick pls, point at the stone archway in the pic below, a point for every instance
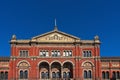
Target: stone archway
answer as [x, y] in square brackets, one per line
[44, 70]
[67, 70]
[87, 70]
[56, 70]
[23, 67]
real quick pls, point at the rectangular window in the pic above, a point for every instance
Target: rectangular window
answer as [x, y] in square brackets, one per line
[44, 53]
[55, 53]
[23, 53]
[87, 53]
[67, 53]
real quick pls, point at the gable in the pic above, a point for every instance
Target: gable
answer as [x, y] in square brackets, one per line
[55, 36]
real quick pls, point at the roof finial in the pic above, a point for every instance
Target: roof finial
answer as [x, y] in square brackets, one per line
[55, 27]
[55, 22]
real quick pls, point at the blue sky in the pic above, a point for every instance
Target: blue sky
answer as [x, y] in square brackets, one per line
[81, 18]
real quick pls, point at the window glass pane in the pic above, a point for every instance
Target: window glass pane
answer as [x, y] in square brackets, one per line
[64, 53]
[53, 53]
[103, 75]
[58, 53]
[21, 74]
[67, 53]
[53, 75]
[57, 75]
[47, 54]
[26, 74]
[2, 75]
[47, 75]
[85, 74]
[89, 74]
[114, 75]
[118, 75]
[70, 53]
[42, 75]
[107, 75]
[64, 74]
[68, 74]
[90, 53]
[26, 54]
[87, 52]
[6, 75]
[20, 53]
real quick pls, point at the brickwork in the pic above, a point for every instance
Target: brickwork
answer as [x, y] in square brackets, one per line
[58, 55]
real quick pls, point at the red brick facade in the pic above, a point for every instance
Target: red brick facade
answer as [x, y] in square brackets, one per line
[57, 55]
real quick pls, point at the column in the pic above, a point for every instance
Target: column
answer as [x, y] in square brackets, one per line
[50, 74]
[74, 72]
[61, 71]
[38, 72]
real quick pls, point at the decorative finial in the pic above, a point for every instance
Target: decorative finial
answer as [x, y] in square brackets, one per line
[14, 37]
[55, 27]
[96, 39]
[55, 23]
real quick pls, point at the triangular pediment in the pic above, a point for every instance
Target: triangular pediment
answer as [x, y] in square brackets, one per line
[55, 36]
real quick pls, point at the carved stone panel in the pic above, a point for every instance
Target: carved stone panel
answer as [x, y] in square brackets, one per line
[55, 37]
[23, 65]
[87, 64]
[105, 64]
[115, 64]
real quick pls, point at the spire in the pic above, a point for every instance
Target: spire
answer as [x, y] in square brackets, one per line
[55, 27]
[55, 23]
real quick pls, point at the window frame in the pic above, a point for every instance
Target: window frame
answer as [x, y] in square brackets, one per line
[23, 53]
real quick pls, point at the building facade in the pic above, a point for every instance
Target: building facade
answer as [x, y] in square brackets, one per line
[56, 55]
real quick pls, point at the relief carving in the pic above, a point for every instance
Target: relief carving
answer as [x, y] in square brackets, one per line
[115, 65]
[87, 64]
[105, 65]
[23, 64]
[4, 64]
[55, 37]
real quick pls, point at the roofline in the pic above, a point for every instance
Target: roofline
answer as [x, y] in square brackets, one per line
[115, 57]
[56, 31]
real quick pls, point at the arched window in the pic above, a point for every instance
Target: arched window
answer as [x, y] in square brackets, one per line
[64, 74]
[87, 52]
[46, 75]
[84, 53]
[89, 74]
[90, 55]
[58, 75]
[21, 74]
[103, 75]
[85, 74]
[118, 75]
[68, 74]
[2, 75]
[42, 75]
[56, 53]
[6, 75]
[26, 74]
[107, 75]
[114, 75]
[67, 53]
[64, 53]
[53, 75]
